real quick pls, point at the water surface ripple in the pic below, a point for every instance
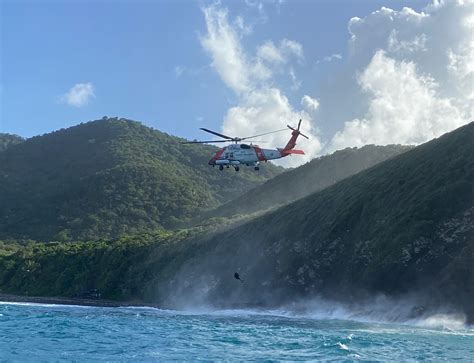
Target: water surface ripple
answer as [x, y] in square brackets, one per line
[32, 332]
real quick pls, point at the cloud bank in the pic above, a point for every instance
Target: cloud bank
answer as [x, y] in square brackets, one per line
[408, 77]
[418, 83]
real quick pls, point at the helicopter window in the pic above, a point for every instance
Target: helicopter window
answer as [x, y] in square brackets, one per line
[243, 146]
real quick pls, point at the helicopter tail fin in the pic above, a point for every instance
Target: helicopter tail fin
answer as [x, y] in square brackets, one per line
[289, 148]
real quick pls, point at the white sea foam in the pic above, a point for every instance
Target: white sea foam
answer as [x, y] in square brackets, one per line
[379, 310]
[446, 321]
[43, 305]
[342, 346]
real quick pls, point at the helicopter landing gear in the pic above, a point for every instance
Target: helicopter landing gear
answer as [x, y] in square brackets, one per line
[221, 167]
[257, 168]
[237, 168]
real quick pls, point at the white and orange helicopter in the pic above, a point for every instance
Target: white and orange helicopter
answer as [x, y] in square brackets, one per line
[238, 154]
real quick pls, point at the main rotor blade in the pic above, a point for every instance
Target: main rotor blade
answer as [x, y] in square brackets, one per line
[204, 142]
[265, 133]
[217, 134]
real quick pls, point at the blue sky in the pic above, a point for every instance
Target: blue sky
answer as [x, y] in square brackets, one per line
[148, 61]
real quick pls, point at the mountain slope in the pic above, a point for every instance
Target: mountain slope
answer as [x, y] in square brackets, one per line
[7, 140]
[307, 179]
[109, 177]
[402, 226]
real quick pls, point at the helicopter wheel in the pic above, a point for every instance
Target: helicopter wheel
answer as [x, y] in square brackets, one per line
[257, 168]
[221, 167]
[237, 168]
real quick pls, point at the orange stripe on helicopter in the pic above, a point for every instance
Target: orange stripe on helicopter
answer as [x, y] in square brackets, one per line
[217, 156]
[259, 153]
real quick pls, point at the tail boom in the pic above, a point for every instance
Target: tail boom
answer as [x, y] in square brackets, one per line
[286, 152]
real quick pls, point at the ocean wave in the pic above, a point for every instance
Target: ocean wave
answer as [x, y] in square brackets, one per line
[22, 303]
[380, 310]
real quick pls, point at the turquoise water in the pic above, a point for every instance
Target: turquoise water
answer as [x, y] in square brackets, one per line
[39, 332]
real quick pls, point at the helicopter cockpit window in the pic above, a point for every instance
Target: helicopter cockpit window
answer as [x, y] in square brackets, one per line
[243, 146]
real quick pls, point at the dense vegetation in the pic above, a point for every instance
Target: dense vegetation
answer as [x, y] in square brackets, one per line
[118, 269]
[316, 175]
[7, 140]
[127, 268]
[107, 178]
[402, 226]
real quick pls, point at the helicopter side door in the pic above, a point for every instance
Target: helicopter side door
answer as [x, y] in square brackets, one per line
[248, 155]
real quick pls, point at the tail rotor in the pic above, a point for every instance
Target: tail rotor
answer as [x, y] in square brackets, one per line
[297, 130]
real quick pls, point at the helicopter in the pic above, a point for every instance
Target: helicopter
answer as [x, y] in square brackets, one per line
[238, 154]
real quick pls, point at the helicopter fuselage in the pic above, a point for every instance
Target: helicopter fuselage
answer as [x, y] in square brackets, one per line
[243, 154]
[251, 155]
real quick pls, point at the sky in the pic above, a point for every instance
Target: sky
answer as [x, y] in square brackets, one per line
[357, 72]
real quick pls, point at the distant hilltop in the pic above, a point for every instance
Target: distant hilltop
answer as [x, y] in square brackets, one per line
[110, 177]
[106, 178]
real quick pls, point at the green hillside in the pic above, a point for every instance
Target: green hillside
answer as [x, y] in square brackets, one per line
[7, 140]
[110, 177]
[402, 226]
[309, 178]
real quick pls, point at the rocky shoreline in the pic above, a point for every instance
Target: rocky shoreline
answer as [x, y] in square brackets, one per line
[71, 301]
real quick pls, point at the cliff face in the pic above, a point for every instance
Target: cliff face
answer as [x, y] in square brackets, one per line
[401, 227]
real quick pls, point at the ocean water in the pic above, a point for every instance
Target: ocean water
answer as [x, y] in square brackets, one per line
[41, 332]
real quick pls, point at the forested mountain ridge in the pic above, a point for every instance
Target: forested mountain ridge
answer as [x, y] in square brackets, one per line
[309, 178]
[109, 177]
[404, 226]
[7, 140]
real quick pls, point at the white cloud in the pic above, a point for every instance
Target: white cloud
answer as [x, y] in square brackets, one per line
[408, 77]
[405, 107]
[178, 71]
[417, 44]
[309, 103]
[79, 95]
[268, 52]
[291, 47]
[414, 73]
[332, 57]
[266, 110]
[295, 82]
[222, 44]
[262, 106]
[244, 28]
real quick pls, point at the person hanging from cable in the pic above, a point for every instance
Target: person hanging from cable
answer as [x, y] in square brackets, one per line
[237, 277]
